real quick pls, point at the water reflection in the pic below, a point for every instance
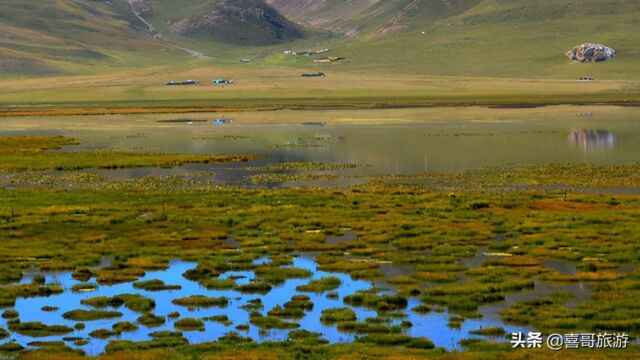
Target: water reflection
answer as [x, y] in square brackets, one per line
[430, 143]
[589, 140]
[433, 325]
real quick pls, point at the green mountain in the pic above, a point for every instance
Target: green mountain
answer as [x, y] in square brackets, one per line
[236, 22]
[508, 38]
[498, 38]
[68, 36]
[50, 36]
[342, 17]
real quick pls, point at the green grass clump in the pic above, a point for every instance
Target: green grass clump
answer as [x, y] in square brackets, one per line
[253, 305]
[9, 293]
[284, 312]
[90, 315]
[321, 285]
[222, 319]
[378, 302]
[199, 301]
[137, 303]
[334, 315]
[294, 308]
[173, 315]
[189, 324]
[206, 270]
[155, 285]
[455, 321]
[124, 326]
[103, 301]
[55, 347]
[243, 327]
[4, 334]
[150, 320]
[10, 314]
[277, 275]
[38, 329]
[11, 347]
[218, 284]
[102, 334]
[422, 309]
[82, 274]
[466, 298]
[165, 334]
[161, 343]
[84, 287]
[307, 337]
[134, 302]
[255, 287]
[31, 153]
[118, 277]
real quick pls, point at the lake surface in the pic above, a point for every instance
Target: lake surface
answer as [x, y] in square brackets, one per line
[400, 141]
[433, 325]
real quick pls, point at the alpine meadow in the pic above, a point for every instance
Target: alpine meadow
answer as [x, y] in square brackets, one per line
[319, 179]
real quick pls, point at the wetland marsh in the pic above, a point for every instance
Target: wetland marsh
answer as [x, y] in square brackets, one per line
[358, 144]
[240, 309]
[442, 232]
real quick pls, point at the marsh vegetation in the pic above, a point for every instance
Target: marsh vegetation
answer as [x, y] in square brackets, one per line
[199, 268]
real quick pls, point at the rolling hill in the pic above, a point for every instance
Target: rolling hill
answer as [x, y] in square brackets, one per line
[53, 36]
[236, 22]
[41, 37]
[484, 38]
[506, 38]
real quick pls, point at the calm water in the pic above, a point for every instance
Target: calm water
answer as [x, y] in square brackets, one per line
[432, 325]
[387, 141]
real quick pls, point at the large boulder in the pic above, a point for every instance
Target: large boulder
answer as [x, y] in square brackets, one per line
[589, 52]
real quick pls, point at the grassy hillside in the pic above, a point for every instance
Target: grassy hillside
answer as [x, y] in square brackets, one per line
[236, 22]
[346, 17]
[404, 52]
[486, 38]
[67, 36]
[506, 38]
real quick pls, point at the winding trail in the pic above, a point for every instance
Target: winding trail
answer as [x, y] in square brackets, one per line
[152, 30]
[156, 35]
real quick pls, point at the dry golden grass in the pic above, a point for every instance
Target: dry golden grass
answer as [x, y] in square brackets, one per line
[259, 87]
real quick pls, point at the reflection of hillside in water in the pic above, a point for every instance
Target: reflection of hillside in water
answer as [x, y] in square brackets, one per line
[587, 140]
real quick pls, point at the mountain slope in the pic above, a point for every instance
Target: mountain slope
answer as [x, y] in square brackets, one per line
[237, 22]
[348, 17]
[504, 38]
[49, 36]
[358, 17]
[489, 38]
[42, 37]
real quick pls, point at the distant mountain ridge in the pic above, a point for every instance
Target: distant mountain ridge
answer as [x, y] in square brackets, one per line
[237, 22]
[38, 36]
[504, 38]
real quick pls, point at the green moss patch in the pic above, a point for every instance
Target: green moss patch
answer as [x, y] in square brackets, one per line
[38, 329]
[189, 324]
[200, 301]
[155, 285]
[90, 315]
[321, 285]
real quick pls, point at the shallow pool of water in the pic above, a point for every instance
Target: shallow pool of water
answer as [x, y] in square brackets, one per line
[396, 141]
[433, 325]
